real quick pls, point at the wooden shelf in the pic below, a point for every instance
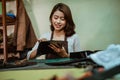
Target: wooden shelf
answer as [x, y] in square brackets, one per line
[1, 28]
[9, 20]
[1, 46]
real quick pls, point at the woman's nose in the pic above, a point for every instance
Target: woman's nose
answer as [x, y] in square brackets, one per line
[58, 21]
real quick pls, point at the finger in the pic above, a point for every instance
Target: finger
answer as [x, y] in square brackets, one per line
[63, 48]
[54, 48]
[55, 44]
[43, 39]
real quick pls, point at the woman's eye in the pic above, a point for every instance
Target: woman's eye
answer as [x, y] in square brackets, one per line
[55, 17]
[62, 18]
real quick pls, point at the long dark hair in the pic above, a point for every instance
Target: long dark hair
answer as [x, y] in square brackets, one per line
[70, 26]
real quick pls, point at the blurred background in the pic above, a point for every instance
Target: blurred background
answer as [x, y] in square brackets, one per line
[97, 21]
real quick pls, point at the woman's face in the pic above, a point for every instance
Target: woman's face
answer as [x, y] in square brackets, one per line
[58, 20]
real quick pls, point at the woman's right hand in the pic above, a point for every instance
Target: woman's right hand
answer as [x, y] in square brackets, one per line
[60, 51]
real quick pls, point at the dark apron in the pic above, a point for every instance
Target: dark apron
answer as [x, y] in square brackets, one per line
[63, 43]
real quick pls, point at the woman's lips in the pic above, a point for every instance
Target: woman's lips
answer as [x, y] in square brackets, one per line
[57, 26]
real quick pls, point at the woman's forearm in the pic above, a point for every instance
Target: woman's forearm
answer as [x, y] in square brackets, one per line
[33, 54]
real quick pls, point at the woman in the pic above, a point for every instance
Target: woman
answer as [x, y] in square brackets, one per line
[62, 28]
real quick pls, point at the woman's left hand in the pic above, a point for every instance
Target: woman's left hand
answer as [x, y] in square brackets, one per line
[61, 51]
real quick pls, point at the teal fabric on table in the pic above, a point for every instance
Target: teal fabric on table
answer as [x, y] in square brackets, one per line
[41, 64]
[50, 60]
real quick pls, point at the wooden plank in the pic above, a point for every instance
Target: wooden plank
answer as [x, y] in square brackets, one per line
[4, 30]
